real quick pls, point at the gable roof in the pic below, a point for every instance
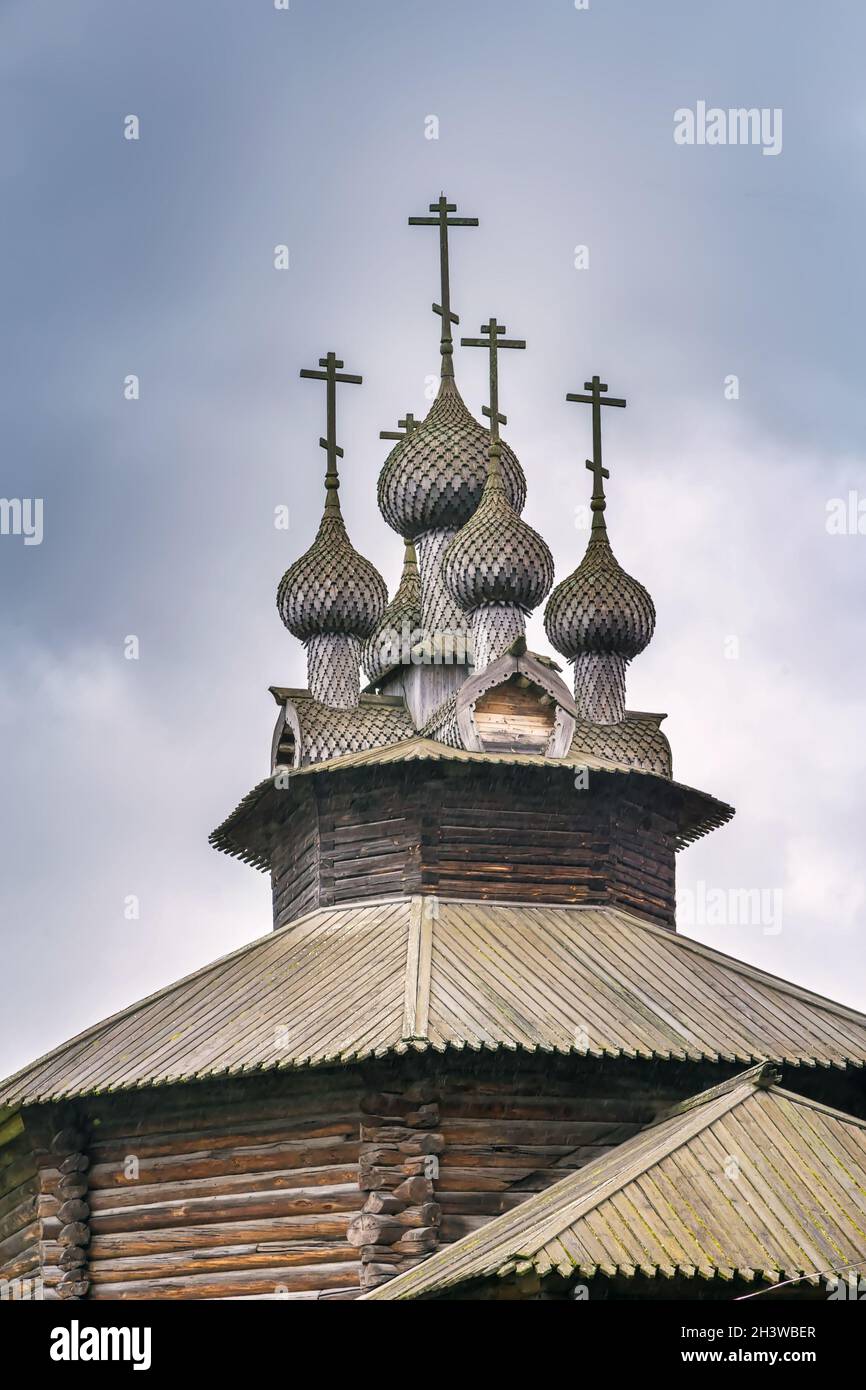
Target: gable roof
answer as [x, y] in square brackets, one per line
[744, 1180]
[346, 983]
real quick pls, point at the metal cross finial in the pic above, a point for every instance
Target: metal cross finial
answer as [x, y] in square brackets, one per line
[404, 428]
[443, 221]
[493, 342]
[596, 388]
[331, 375]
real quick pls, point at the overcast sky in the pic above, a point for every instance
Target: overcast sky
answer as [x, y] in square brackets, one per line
[155, 257]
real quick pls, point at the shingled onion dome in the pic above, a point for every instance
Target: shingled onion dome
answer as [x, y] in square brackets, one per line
[332, 599]
[431, 483]
[599, 618]
[391, 643]
[496, 568]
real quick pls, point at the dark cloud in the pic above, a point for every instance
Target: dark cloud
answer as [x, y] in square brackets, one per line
[155, 258]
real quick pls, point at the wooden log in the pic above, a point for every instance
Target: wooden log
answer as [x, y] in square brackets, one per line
[385, 1133]
[417, 1239]
[269, 1135]
[74, 1233]
[134, 1242]
[453, 1227]
[374, 1176]
[290, 1180]
[239, 1258]
[244, 1206]
[205, 1109]
[72, 1286]
[21, 1215]
[427, 1214]
[220, 1163]
[383, 1203]
[22, 1266]
[422, 1144]
[19, 1240]
[372, 1275]
[276, 1282]
[381, 1254]
[72, 1185]
[74, 1163]
[384, 1104]
[414, 1189]
[425, 1117]
[72, 1257]
[73, 1210]
[370, 1229]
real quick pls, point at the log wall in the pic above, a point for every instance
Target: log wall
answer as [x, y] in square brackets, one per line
[20, 1224]
[304, 1185]
[240, 1192]
[509, 1135]
[44, 1223]
[472, 834]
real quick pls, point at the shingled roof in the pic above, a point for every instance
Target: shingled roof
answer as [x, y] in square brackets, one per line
[314, 732]
[343, 984]
[697, 812]
[745, 1180]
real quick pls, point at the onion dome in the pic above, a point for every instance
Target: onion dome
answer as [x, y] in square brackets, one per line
[599, 608]
[331, 589]
[434, 477]
[384, 648]
[496, 557]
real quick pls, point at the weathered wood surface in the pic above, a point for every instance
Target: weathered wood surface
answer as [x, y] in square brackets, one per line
[243, 1189]
[514, 718]
[476, 833]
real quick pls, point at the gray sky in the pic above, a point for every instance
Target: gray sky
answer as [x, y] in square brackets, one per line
[155, 257]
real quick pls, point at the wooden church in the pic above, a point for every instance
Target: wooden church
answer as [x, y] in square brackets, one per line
[474, 1058]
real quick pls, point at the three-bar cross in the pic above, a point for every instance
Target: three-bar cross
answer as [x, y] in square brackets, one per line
[404, 428]
[331, 375]
[443, 220]
[493, 341]
[596, 389]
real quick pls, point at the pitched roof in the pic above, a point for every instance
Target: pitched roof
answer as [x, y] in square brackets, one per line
[314, 732]
[347, 983]
[637, 741]
[744, 1180]
[697, 812]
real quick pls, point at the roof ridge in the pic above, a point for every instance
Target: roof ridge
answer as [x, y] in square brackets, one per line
[732, 1093]
[809, 1104]
[757, 1076]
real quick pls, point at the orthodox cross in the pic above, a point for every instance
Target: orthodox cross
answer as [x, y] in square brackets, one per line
[596, 389]
[331, 375]
[493, 342]
[443, 220]
[404, 428]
